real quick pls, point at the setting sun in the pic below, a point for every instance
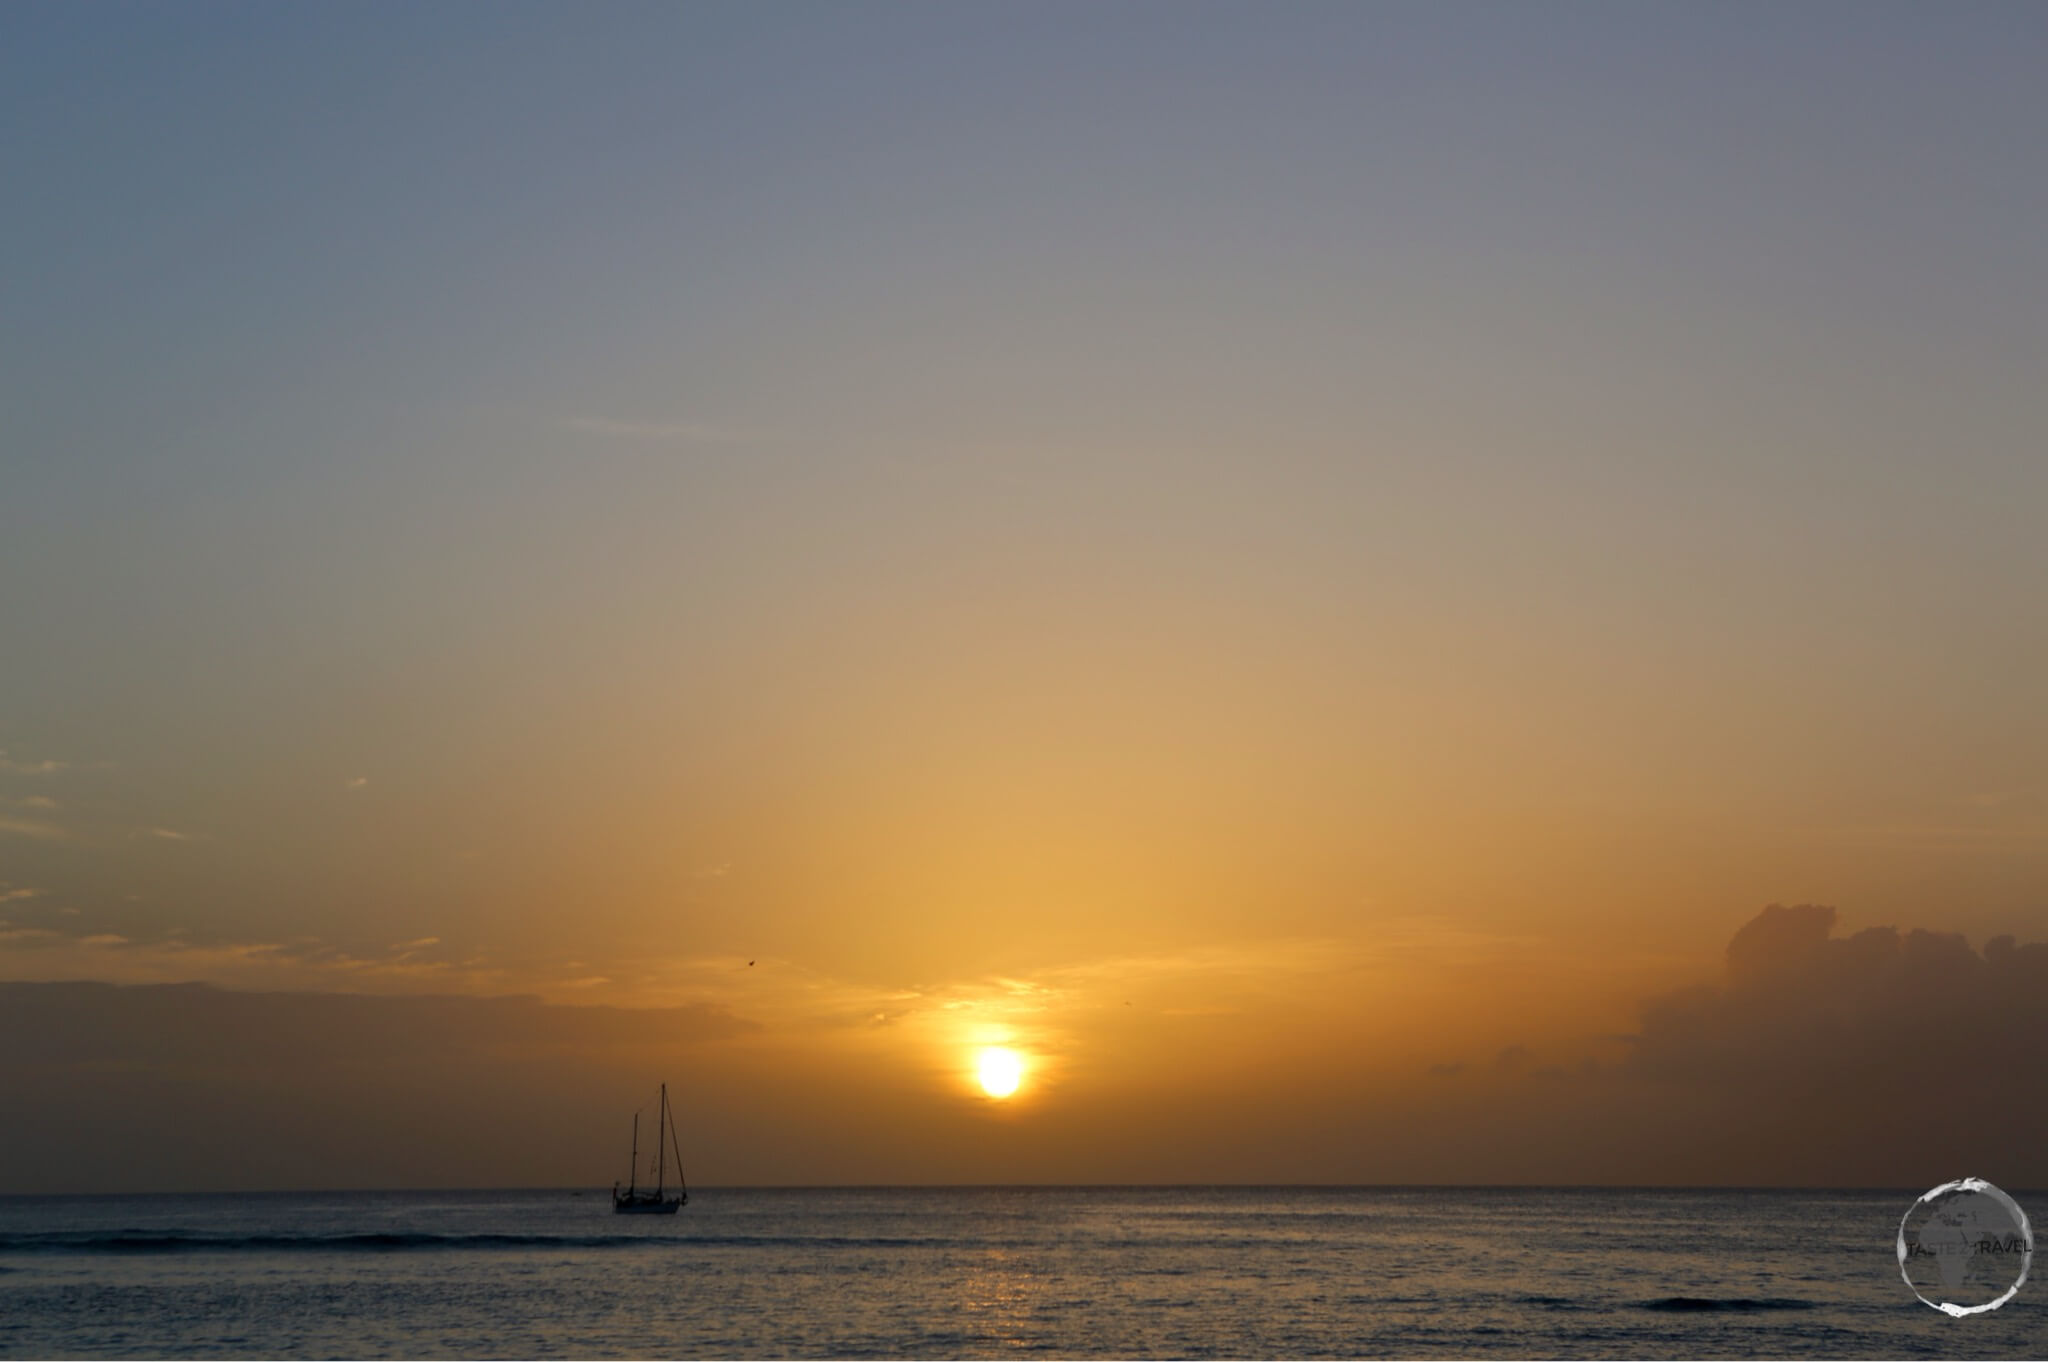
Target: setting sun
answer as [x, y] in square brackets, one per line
[1000, 1071]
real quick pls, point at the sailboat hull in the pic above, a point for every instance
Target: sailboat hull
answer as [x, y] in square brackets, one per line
[645, 1205]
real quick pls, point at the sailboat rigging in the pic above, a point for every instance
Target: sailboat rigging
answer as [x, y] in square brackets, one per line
[630, 1200]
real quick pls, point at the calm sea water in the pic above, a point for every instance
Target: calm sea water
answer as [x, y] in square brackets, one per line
[1066, 1272]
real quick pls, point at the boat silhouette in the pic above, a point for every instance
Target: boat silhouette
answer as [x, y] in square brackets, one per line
[630, 1200]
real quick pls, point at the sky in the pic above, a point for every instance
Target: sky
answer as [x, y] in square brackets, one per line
[1310, 570]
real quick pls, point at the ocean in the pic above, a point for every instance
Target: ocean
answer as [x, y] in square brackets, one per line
[984, 1272]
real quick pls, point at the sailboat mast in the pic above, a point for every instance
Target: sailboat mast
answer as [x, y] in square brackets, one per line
[633, 1177]
[682, 1183]
[661, 1143]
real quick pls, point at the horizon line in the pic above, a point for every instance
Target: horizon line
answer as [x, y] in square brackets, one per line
[593, 1190]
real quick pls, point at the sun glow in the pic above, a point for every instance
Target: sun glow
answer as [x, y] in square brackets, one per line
[1000, 1070]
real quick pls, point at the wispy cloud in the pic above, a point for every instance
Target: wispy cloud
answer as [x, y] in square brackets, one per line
[37, 828]
[690, 432]
[168, 834]
[1052, 1010]
[31, 768]
[82, 950]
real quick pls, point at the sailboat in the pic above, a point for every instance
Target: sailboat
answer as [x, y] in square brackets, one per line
[630, 1200]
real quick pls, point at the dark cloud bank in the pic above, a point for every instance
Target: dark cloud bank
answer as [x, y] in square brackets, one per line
[1803, 1011]
[1882, 1058]
[1885, 1058]
[187, 1086]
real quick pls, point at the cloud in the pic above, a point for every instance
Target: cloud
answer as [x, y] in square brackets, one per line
[1882, 1013]
[37, 828]
[82, 951]
[168, 834]
[31, 768]
[37, 802]
[202, 1024]
[1228, 976]
[692, 432]
[1880, 1058]
[1513, 1059]
[296, 1089]
[87, 946]
[1884, 1058]
[355, 782]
